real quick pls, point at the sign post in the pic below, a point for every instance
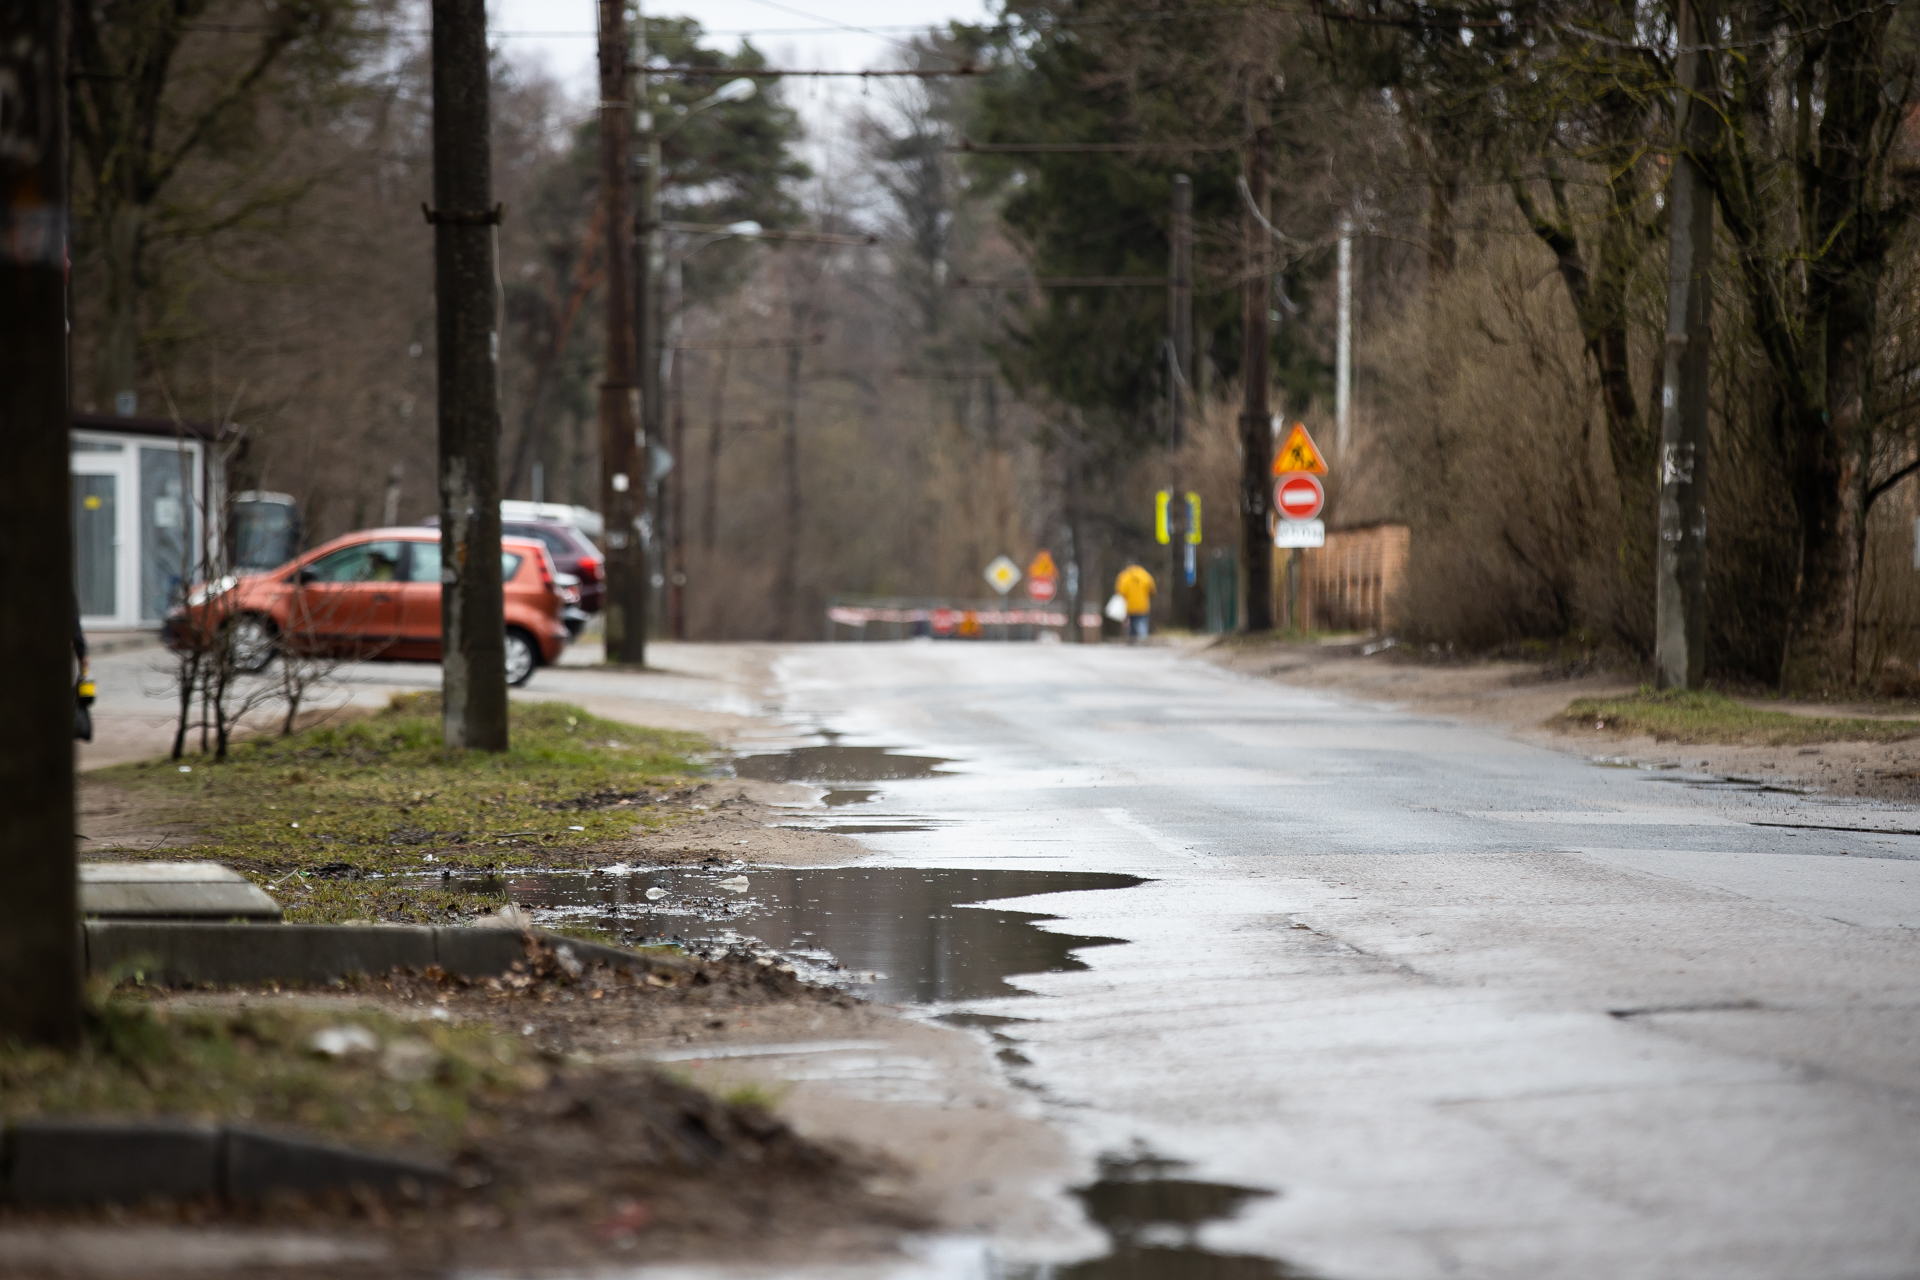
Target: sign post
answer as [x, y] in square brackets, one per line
[1043, 578]
[1298, 498]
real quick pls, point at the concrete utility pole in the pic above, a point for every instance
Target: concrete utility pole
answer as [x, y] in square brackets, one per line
[786, 587]
[1680, 626]
[623, 477]
[466, 296]
[1343, 353]
[39, 949]
[1256, 419]
[676, 505]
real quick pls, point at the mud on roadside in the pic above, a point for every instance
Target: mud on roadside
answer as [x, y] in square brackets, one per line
[603, 1159]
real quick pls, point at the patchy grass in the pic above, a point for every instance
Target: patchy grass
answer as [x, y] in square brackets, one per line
[327, 818]
[1704, 717]
[401, 1084]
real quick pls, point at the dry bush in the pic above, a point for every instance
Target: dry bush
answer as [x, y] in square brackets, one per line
[1887, 640]
[1486, 426]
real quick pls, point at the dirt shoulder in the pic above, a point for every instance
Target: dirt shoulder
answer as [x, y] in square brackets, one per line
[880, 1125]
[1528, 701]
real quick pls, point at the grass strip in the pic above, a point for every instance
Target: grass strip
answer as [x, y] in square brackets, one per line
[353, 821]
[389, 1084]
[1701, 716]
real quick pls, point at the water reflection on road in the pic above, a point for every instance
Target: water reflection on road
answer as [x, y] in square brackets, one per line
[1152, 1220]
[899, 934]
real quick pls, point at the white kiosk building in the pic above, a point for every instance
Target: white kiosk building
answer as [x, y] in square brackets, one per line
[145, 492]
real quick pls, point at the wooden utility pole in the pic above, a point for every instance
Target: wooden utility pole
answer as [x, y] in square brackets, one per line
[1256, 419]
[1180, 303]
[623, 480]
[1181, 594]
[39, 948]
[1680, 626]
[649, 264]
[473, 628]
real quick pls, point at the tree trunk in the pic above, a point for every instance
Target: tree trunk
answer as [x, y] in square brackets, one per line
[39, 951]
[116, 374]
[473, 628]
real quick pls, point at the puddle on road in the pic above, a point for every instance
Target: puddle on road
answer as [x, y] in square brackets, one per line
[865, 828]
[836, 763]
[1153, 1222]
[897, 934]
[847, 795]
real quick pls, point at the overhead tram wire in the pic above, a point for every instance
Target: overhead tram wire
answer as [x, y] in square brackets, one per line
[1053, 23]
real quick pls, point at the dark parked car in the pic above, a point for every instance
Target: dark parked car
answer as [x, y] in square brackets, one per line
[572, 551]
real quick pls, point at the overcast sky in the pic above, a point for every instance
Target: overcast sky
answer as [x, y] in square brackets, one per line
[840, 35]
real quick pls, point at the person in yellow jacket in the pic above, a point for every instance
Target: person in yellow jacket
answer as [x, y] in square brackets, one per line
[1135, 586]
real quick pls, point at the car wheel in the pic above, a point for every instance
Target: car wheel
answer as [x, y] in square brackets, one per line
[522, 657]
[251, 641]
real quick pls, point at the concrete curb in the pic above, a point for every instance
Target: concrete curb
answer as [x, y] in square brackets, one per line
[178, 953]
[126, 1161]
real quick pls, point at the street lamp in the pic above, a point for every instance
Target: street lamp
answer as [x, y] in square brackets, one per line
[732, 91]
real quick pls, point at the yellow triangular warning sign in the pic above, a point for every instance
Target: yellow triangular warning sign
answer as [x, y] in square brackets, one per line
[1299, 453]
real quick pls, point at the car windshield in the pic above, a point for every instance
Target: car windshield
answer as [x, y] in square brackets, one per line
[424, 565]
[364, 562]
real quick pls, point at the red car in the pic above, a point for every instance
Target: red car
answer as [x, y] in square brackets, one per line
[373, 596]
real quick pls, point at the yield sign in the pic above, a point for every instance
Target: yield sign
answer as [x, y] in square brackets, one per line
[1299, 453]
[1298, 496]
[1002, 574]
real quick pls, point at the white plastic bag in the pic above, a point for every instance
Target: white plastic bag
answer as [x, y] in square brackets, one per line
[1117, 607]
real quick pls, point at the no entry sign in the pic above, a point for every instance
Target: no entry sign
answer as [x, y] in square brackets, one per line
[1298, 496]
[1043, 577]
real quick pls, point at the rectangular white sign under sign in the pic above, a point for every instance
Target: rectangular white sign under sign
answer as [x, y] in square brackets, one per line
[1299, 533]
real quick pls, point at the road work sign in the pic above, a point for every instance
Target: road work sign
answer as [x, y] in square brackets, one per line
[1298, 496]
[1043, 578]
[1299, 453]
[1299, 533]
[1003, 575]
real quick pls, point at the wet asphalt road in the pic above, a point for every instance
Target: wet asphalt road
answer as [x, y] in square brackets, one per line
[1470, 1007]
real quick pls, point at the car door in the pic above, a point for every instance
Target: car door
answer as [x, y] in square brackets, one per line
[420, 603]
[420, 633]
[347, 602]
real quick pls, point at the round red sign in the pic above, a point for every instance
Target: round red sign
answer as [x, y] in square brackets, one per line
[1041, 589]
[1298, 496]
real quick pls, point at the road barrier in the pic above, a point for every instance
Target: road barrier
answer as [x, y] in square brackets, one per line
[945, 619]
